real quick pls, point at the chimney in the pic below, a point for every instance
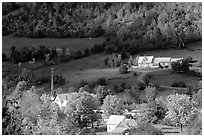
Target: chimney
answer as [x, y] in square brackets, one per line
[52, 84]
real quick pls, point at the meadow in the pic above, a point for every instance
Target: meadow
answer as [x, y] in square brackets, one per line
[92, 67]
[72, 43]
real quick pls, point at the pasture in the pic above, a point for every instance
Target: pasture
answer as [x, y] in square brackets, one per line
[72, 43]
[92, 67]
[194, 50]
[166, 78]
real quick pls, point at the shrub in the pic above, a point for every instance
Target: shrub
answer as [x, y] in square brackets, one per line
[4, 58]
[115, 88]
[123, 85]
[135, 74]
[179, 84]
[143, 129]
[98, 48]
[101, 81]
[86, 52]
[82, 83]
[65, 58]
[141, 85]
[123, 68]
[42, 80]
[150, 94]
[58, 79]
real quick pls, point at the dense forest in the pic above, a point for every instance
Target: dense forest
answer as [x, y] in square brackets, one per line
[129, 26]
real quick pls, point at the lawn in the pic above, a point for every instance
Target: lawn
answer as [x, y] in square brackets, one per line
[166, 78]
[72, 43]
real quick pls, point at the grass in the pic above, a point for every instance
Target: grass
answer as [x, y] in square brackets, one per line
[193, 49]
[166, 78]
[72, 43]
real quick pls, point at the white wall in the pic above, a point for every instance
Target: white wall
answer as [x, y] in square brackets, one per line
[111, 127]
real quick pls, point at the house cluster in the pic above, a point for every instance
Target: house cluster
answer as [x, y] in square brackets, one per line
[115, 124]
[153, 62]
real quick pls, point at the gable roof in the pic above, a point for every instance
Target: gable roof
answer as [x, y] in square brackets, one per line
[66, 96]
[115, 119]
[125, 124]
[147, 58]
[128, 123]
[162, 59]
[176, 59]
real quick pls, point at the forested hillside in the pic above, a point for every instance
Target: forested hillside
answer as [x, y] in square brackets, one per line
[142, 25]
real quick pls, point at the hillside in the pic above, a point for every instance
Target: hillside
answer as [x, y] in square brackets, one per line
[137, 25]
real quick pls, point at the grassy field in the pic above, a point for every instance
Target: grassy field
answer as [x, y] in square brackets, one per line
[193, 49]
[166, 78]
[92, 67]
[72, 43]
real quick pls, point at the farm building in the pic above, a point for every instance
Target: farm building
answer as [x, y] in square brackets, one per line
[113, 122]
[145, 61]
[163, 61]
[151, 61]
[116, 124]
[125, 124]
[176, 59]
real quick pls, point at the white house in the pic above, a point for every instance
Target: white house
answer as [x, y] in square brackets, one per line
[163, 61]
[176, 59]
[114, 121]
[62, 99]
[125, 124]
[145, 61]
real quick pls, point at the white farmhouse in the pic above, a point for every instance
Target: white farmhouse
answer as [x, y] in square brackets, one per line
[145, 61]
[62, 99]
[176, 59]
[163, 61]
[114, 121]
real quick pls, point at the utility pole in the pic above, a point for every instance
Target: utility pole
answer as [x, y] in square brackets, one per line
[52, 83]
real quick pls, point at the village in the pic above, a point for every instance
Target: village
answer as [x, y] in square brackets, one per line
[101, 68]
[117, 124]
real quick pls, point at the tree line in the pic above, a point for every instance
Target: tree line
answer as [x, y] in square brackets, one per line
[130, 26]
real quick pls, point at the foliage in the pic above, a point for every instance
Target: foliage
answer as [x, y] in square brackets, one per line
[150, 94]
[195, 126]
[179, 84]
[135, 94]
[4, 58]
[143, 129]
[123, 69]
[81, 108]
[147, 113]
[180, 109]
[101, 81]
[102, 92]
[82, 83]
[112, 105]
[130, 27]
[27, 112]
[141, 85]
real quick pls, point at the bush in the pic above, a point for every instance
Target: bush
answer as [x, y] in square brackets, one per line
[101, 81]
[82, 83]
[123, 85]
[98, 48]
[42, 80]
[135, 74]
[141, 85]
[58, 79]
[86, 52]
[4, 58]
[179, 84]
[115, 88]
[143, 129]
[123, 68]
